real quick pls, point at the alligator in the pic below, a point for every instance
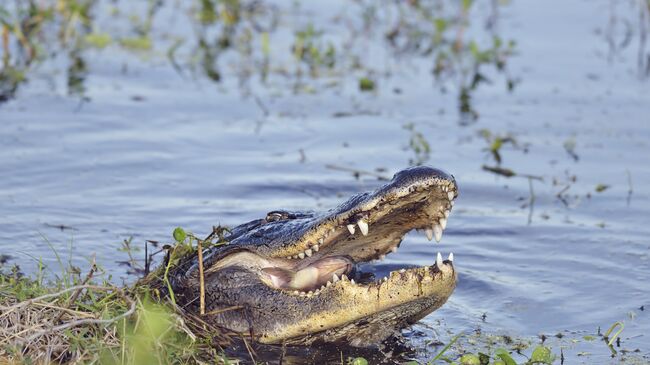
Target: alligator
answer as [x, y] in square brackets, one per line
[293, 278]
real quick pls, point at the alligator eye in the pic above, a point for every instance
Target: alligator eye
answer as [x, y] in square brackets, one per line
[276, 215]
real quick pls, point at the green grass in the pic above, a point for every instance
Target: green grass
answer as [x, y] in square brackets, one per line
[75, 318]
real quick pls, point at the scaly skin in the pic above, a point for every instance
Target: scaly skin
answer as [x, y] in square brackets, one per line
[278, 278]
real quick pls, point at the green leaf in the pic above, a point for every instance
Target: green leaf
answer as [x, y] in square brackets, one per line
[359, 361]
[505, 356]
[137, 43]
[366, 84]
[541, 355]
[179, 234]
[601, 187]
[98, 40]
[470, 359]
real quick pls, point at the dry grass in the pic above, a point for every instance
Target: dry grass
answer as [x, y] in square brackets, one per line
[40, 329]
[60, 322]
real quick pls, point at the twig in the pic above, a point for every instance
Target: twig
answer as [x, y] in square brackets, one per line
[27, 302]
[562, 198]
[75, 295]
[531, 202]
[629, 190]
[201, 279]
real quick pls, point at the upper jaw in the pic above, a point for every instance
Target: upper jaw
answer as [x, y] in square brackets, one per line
[369, 226]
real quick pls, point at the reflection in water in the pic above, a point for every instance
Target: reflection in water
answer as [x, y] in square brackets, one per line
[241, 39]
[624, 26]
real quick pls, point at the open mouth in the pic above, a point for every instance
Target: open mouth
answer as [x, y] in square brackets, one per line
[331, 249]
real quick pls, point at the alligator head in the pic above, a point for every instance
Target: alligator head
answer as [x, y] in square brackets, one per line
[292, 277]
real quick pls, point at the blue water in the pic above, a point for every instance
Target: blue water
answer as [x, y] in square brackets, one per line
[189, 153]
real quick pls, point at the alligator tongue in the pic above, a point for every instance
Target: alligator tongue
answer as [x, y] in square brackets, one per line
[309, 277]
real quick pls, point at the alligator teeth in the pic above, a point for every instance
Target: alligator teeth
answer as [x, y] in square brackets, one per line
[452, 203]
[402, 271]
[393, 249]
[385, 279]
[437, 231]
[328, 283]
[295, 256]
[301, 255]
[382, 257]
[288, 257]
[451, 257]
[315, 247]
[363, 226]
[429, 233]
[335, 278]
[308, 252]
[296, 292]
[446, 213]
[439, 260]
[322, 287]
[344, 277]
[445, 188]
[443, 223]
[320, 241]
[351, 228]
[352, 281]
[450, 195]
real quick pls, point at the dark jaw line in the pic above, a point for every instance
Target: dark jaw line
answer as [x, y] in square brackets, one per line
[357, 272]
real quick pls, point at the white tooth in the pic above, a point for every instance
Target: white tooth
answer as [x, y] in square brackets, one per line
[429, 233]
[363, 226]
[385, 279]
[321, 240]
[451, 256]
[446, 213]
[394, 249]
[437, 231]
[301, 255]
[344, 277]
[335, 278]
[315, 248]
[296, 292]
[450, 195]
[295, 256]
[302, 293]
[352, 281]
[443, 223]
[382, 257]
[328, 283]
[316, 292]
[402, 271]
[439, 260]
[308, 252]
[322, 287]
[445, 188]
[310, 293]
[351, 228]
[288, 257]
[452, 203]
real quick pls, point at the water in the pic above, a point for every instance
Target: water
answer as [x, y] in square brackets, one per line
[153, 150]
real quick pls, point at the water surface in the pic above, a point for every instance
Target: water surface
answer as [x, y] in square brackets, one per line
[153, 149]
